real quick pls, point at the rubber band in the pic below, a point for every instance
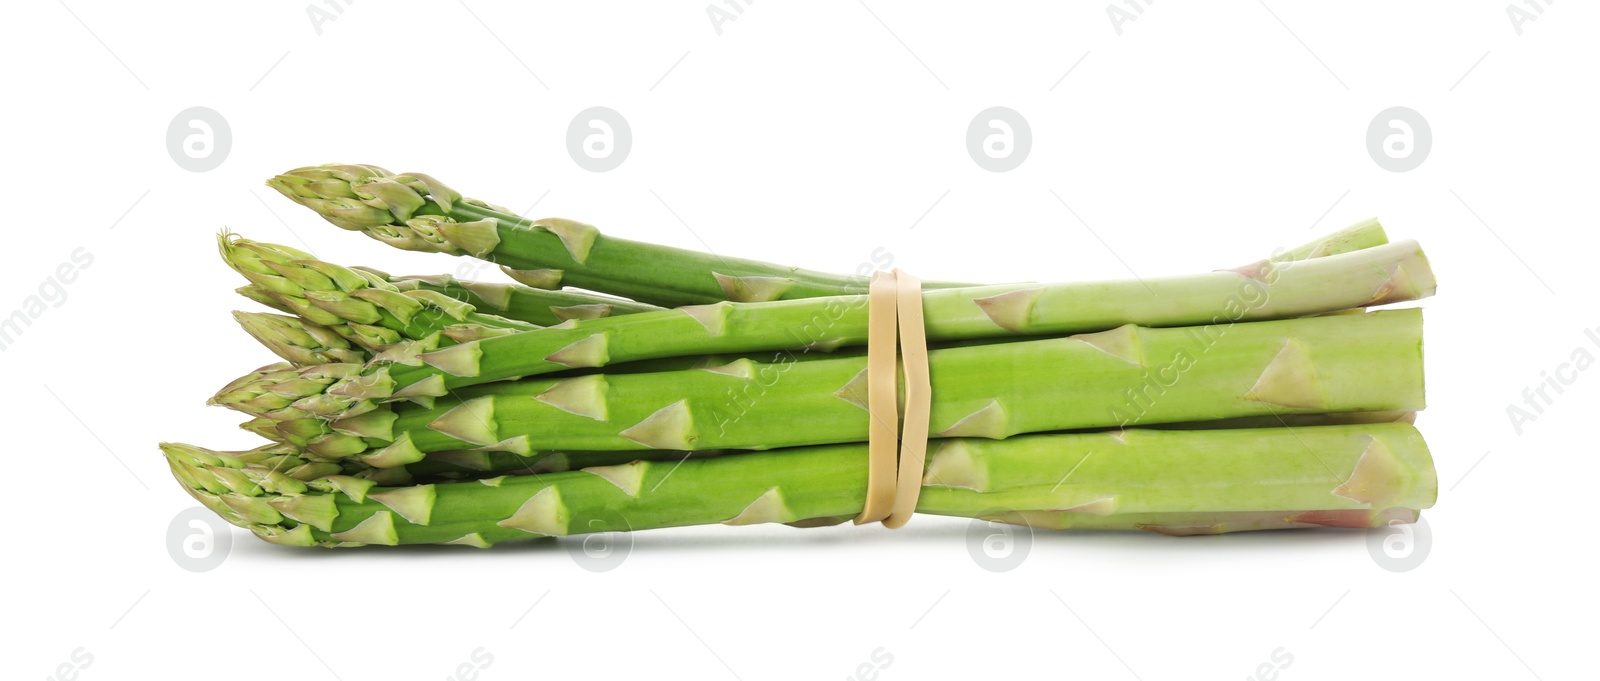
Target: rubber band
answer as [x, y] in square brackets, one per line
[882, 399]
[895, 338]
[919, 398]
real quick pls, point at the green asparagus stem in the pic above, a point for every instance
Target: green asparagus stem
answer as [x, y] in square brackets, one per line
[362, 308]
[1189, 524]
[1169, 482]
[514, 301]
[1124, 377]
[1264, 290]
[416, 212]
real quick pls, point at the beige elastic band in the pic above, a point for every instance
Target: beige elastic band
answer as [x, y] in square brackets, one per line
[882, 399]
[894, 303]
[919, 398]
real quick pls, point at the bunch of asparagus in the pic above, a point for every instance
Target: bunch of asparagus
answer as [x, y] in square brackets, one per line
[681, 388]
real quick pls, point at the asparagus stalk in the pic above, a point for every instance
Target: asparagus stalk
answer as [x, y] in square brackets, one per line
[533, 305]
[1264, 290]
[360, 307]
[1189, 524]
[416, 212]
[1124, 377]
[1171, 482]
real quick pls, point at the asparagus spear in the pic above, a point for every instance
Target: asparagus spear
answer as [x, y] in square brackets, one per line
[536, 306]
[299, 341]
[1123, 377]
[360, 307]
[1160, 481]
[1264, 290]
[416, 212]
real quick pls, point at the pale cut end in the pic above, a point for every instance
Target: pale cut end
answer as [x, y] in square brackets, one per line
[582, 396]
[472, 422]
[432, 386]
[316, 510]
[456, 360]
[545, 279]
[543, 514]
[586, 353]
[377, 424]
[990, 421]
[1010, 311]
[767, 508]
[578, 237]
[378, 529]
[413, 503]
[628, 477]
[1411, 279]
[743, 368]
[1121, 343]
[471, 459]
[496, 295]
[479, 237]
[1377, 478]
[494, 481]
[1290, 380]
[855, 392]
[713, 317]
[954, 464]
[581, 312]
[669, 428]
[753, 289]
[474, 540]
[398, 453]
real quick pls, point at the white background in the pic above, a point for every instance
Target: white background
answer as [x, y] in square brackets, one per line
[1201, 136]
